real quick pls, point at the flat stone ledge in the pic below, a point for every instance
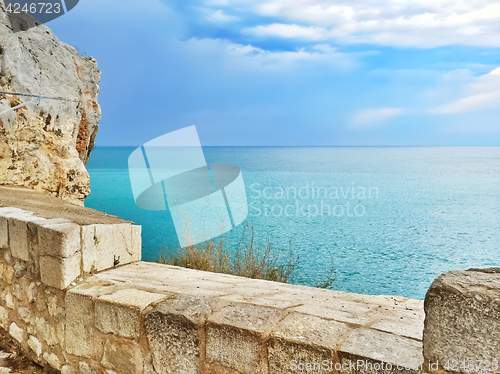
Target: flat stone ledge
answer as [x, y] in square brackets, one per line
[49, 207]
[230, 324]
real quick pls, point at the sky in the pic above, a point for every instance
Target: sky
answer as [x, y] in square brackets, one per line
[294, 72]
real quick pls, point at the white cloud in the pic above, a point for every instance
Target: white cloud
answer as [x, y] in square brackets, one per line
[219, 16]
[417, 23]
[233, 56]
[289, 31]
[470, 103]
[368, 118]
[482, 93]
[496, 71]
[217, 2]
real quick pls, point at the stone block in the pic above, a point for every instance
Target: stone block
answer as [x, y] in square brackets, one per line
[9, 301]
[35, 345]
[4, 318]
[10, 211]
[106, 253]
[34, 254]
[60, 272]
[123, 236]
[52, 360]
[89, 250]
[18, 234]
[42, 328]
[94, 287]
[59, 240]
[462, 320]
[84, 368]
[347, 311]
[120, 313]
[409, 323]
[24, 314]
[372, 351]
[174, 331]
[114, 246]
[4, 233]
[136, 242]
[19, 269]
[127, 239]
[218, 369]
[31, 292]
[122, 355]
[304, 339]
[8, 274]
[17, 333]
[33, 248]
[80, 338]
[68, 369]
[235, 336]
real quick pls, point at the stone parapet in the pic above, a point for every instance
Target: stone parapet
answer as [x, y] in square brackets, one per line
[199, 322]
[61, 251]
[70, 306]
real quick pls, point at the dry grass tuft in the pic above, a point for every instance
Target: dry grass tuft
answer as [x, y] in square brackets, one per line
[247, 261]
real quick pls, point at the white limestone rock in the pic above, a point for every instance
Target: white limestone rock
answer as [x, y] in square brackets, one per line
[45, 145]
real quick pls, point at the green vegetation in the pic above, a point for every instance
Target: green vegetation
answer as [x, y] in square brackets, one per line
[249, 259]
[329, 281]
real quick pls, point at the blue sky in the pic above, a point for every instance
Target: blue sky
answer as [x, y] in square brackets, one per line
[294, 72]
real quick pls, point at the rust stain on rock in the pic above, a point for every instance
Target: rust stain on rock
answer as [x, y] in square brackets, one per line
[83, 135]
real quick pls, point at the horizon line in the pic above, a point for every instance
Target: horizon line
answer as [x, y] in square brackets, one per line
[319, 146]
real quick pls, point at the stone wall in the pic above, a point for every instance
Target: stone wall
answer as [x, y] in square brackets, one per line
[71, 305]
[76, 298]
[40, 259]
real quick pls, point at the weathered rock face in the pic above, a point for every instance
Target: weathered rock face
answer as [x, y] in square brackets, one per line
[46, 144]
[462, 322]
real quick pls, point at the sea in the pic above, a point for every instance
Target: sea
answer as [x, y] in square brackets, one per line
[380, 220]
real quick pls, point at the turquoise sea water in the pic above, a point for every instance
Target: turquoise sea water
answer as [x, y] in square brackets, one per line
[390, 220]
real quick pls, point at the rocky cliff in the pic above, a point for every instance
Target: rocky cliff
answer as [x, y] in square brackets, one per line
[45, 145]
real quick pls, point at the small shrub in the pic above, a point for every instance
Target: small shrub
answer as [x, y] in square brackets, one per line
[247, 261]
[329, 281]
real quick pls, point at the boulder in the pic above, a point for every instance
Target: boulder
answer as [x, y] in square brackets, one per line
[45, 145]
[462, 321]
